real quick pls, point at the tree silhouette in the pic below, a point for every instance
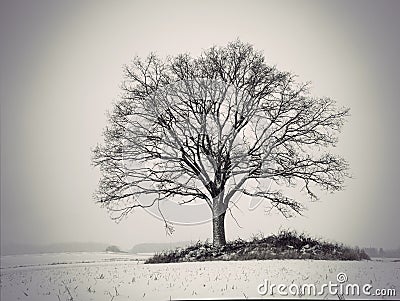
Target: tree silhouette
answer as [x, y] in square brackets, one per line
[211, 127]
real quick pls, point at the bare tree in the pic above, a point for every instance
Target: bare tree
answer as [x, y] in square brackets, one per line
[214, 126]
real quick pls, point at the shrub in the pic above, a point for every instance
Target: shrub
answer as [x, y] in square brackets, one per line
[113, 249]
[286, 244]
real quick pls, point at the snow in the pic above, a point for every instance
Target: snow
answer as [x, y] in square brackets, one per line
[9, 261]
[109, 276]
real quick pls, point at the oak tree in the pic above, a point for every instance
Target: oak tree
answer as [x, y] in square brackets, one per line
[214, 126]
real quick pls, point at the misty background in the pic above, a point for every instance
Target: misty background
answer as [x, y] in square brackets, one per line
[60, 71]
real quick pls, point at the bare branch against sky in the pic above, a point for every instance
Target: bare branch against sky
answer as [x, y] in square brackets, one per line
[214, 128]
[61, 65]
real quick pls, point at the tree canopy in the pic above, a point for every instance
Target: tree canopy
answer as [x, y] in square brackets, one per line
[214, 126]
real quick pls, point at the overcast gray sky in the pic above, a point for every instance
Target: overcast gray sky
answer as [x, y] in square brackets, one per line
[60, 64]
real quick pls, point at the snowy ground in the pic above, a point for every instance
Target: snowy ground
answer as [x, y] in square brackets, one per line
[104, 276]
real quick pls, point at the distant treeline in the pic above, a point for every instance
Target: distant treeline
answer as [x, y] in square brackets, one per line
[18, 249]
[375, 252]
[158, 247]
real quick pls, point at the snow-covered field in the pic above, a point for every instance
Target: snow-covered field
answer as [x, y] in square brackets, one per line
[107, 276]
[13, 261]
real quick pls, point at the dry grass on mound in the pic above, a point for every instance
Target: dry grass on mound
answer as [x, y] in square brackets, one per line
[286, 245]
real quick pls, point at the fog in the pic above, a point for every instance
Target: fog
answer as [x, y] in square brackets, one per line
[61, 67]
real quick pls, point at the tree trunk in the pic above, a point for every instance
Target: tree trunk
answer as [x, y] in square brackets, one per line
[219, 230]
